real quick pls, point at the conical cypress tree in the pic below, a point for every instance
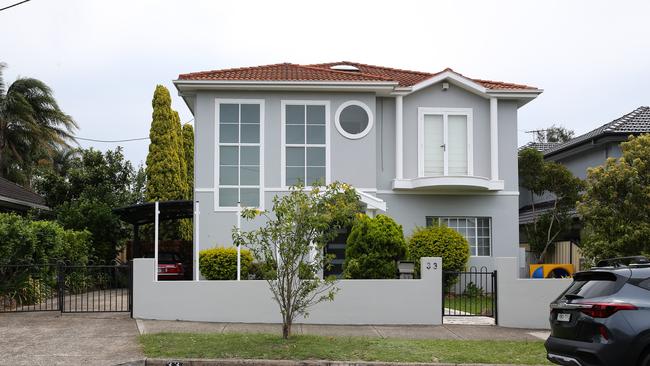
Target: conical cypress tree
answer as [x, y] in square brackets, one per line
[166, 170]
[188, 147]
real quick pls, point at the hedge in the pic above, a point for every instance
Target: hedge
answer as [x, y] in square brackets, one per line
[373, 248]
[439, 241]
[221, 263]
[36, 244]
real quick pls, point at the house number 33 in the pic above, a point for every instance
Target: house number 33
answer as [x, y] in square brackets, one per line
[433, 265]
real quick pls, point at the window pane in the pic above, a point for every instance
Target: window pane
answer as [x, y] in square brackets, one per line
[250, 113]
[457, 141]
[315, 175]
[315, 114]
[295, 114]
[295, 175]
[228, 197]
[250, 175]
[433, 145]
[229, 113]
[250, 155]
[250, 197]
[250, 133]
[228, 155]
[228, 133]
[228, 175]
[316, 156]
[353, 119]
[295, 135]
[295, 156]
[315, 134]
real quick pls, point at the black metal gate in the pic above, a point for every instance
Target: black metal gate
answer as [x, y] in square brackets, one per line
[471, 293]
[66, 288]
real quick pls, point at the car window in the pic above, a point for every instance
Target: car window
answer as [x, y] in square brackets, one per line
[589, 285]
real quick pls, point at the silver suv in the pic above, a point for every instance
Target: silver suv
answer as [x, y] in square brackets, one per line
[603, 318]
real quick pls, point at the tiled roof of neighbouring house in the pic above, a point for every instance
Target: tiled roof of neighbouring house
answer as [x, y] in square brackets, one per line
[635, 122]
[539, 146]
[325, 72]
[12, 191]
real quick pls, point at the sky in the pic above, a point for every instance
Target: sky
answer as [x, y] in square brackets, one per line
[103, 59]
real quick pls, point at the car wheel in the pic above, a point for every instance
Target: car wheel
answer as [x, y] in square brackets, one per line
[645, 359]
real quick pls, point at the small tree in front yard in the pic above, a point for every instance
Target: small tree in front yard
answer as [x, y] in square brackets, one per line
[616, 204]
[291, 245]
[541, 177]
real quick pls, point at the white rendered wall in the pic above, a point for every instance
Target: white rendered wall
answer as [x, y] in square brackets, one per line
[524, 303]
[357, 302]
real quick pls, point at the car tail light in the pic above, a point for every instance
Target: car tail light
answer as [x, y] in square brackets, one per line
[604, 309]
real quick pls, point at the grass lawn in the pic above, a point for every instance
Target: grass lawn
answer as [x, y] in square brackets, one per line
[473, 305]
[305, 347]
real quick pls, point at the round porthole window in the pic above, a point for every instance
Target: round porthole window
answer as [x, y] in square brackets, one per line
[353, 119]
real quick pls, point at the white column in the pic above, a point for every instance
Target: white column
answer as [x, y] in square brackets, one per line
[155, 241]
[494, 139]
[399, 140]
[238, 244]
[197, 214]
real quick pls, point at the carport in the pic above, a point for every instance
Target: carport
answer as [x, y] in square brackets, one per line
[153, 213]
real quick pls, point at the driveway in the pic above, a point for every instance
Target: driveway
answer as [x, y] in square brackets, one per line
[50, 338]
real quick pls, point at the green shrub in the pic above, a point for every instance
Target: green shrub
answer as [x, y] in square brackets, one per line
[221, 263]
[373, 248]
[38, 243]
[439, 241]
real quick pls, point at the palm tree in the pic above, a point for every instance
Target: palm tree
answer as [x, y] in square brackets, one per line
[32, 127]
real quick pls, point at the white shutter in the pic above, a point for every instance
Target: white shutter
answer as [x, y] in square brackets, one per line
[433, 144]
[457, 144]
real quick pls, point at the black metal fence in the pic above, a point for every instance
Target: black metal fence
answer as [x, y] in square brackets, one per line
[471, 293]
[66, 288]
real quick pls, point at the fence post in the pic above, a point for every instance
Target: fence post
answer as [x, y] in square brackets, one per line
[495, 299]
[60, 285]
[131, 287]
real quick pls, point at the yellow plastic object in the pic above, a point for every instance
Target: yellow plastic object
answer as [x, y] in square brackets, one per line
[553, 270]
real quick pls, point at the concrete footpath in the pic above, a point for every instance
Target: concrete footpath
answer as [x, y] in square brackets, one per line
[52, 338]
[447, 331]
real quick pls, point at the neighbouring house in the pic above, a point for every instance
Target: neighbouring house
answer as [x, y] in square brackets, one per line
[578, 155]
[16, 198]
[421, 147]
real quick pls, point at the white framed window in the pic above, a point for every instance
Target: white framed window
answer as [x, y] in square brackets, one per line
[305, 142]
[239, 171]
[477, 231]
[445, 138]
[353, 119]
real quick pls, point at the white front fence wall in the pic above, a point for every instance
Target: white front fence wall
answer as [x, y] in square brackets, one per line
[524, 303]
[357, 301]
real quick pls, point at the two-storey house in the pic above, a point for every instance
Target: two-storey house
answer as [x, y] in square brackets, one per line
[420, 147]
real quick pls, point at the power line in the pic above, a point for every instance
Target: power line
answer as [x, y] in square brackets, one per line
[16, 4]
[125, 140]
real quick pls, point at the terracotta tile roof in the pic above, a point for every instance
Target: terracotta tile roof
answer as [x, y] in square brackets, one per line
[282, 72]
[404, 77]
[633, 123]
[323, 72]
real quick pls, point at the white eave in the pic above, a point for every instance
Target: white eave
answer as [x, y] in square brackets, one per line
[379, 87]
